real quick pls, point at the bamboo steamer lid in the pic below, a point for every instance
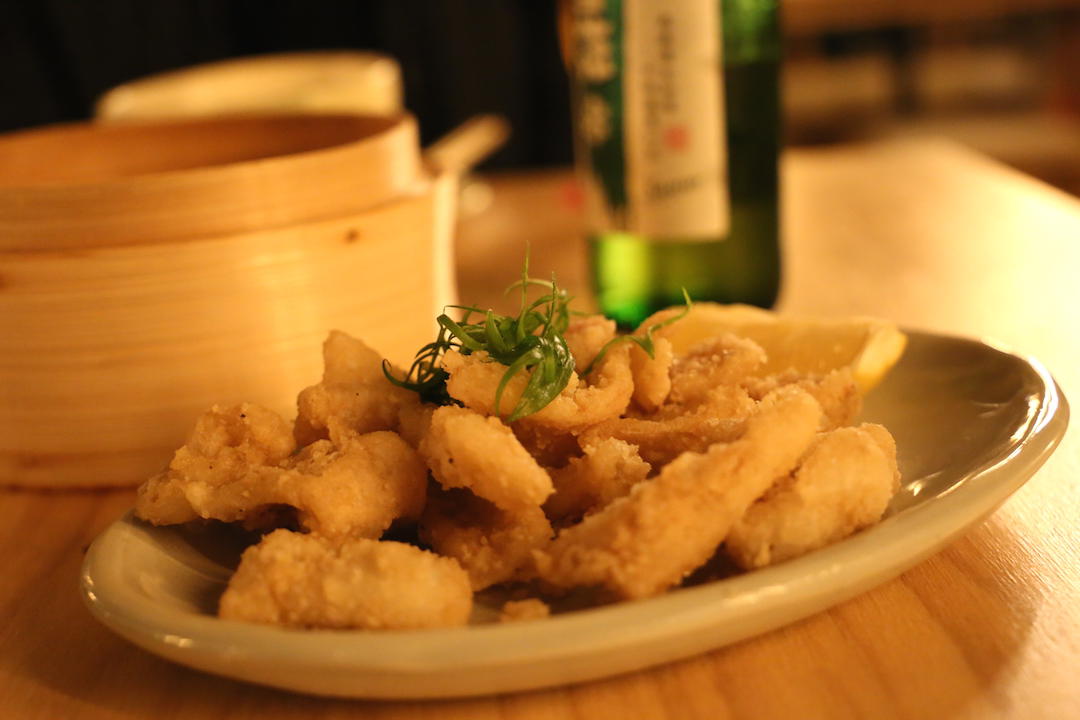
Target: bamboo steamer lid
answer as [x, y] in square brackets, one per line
[321, 81]
[149, 271]
[79, 186]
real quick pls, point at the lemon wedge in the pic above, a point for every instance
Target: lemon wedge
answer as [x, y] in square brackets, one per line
[869, 346]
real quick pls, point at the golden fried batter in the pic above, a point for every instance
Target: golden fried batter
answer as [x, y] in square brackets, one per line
[842, 485]
[663, 436]
[355, 491]
[414, 420]
[586, 336]
[607, 395]
[226, 444]
[607, 471]
[310, 582]
[474, 380]
[224, 473]
[467, 450]
[527, 609]
[836, 391]
[354, 396]
[723, 360]
[550, 447]
[647, 466]
[652, 375]
[491, 544]
[647, 541]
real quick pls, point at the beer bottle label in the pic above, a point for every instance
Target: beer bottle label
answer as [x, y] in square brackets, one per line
[649, 97]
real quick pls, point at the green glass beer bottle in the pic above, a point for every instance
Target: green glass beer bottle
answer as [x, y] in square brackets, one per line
[676, 106]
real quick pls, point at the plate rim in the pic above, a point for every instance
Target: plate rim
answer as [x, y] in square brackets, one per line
[797, 589]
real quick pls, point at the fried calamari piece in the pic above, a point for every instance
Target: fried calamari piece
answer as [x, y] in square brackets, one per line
[223, 474]
[652, 375]
[662, 437]
[474, 380]
[647, 541]
[354, 396]
[225, 444]
[414, 420]
[309, 581]
[467, 450]
[491, 544]
[527, 609]
[836, 391]
[586, 336]
[355, 491]
[718, 361]
[550, 447]
[723, 401]
[842, 485]
[607, 471]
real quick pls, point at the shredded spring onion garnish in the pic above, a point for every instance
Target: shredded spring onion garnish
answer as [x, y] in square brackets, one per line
[533, 340]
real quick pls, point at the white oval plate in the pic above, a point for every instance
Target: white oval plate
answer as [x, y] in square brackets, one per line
[973, 423]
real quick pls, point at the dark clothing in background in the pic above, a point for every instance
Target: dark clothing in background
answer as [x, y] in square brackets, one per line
[458, 57]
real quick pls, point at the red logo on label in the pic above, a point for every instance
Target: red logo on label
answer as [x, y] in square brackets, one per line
[676, 137]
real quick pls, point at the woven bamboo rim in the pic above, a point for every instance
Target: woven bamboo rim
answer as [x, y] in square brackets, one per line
[81, 186]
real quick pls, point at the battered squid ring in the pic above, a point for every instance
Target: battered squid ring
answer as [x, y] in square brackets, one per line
[474, 380]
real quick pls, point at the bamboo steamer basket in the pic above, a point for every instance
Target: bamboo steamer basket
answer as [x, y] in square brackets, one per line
[149, 271]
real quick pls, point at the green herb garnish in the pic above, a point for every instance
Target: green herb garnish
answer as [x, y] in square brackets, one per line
[645, 341]
[532, 340]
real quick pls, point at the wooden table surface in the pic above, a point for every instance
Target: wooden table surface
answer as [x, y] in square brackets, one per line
[924, 232]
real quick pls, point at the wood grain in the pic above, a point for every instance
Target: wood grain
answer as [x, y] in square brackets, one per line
[88, 339]
[925, 232]
[78, 186]
[174, 249]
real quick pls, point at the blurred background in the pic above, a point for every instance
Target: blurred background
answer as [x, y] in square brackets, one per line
[1002, 76]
